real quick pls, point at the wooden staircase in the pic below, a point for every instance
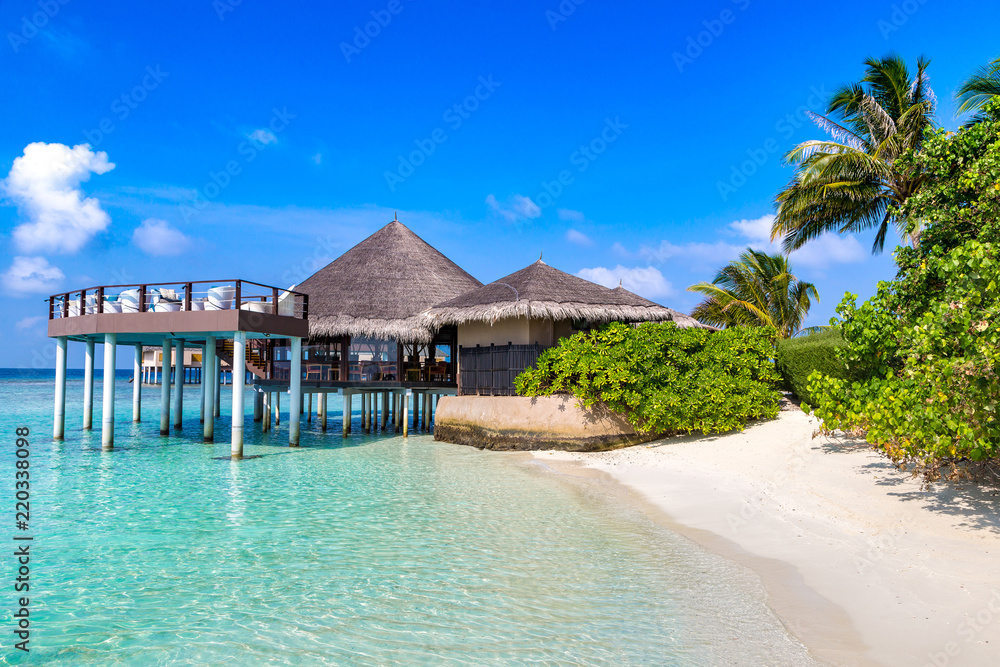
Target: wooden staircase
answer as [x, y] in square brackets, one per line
[254, 356]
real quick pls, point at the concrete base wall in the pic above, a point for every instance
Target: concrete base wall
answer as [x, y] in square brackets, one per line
[519, 423]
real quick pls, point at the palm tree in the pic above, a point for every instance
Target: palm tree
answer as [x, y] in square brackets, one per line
[850, 182]
[979, 89]
[756, 290]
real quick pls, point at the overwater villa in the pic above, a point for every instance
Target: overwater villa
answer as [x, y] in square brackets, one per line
[392, 321]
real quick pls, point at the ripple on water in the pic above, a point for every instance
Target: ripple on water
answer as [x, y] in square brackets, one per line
[364, 551]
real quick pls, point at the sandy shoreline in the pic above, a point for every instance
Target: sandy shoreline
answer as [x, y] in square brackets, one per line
[863, 566]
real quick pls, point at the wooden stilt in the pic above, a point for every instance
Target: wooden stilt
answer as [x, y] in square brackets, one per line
[405, 403]
[385, 408]
[323, 410]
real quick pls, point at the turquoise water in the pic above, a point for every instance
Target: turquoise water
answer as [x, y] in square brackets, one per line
[370, 550]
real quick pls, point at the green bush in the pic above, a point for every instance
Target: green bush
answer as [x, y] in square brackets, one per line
[664, 379]
[930, 339]
[941, 402]
[797, 358]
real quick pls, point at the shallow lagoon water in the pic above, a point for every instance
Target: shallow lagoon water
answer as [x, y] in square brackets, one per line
[369, 550]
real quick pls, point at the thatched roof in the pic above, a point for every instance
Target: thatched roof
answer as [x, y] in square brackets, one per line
[378, 288]
[541, 291]
[680, 319]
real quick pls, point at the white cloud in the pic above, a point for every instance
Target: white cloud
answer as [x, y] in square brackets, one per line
[571, 215]
[263, 136]
[29, 322]
[647, 282]
[579, 238]
[45, 184]
[158, 237]
[820, 253]
[31, 275]
[516, 208]
[691, 253]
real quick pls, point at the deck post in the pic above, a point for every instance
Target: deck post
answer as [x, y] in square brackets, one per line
[322, 410]
[258, 406]
[366, 412]
[416, 412]
[201, 383]
[406, 405]
[385, 408]
[295, 390]
[239, 378]
[108, 413]
[425, 417]
[217, 382]
[266, 425]
[165, 386]
[59, 412]
[137, 384]
[395, 411]
[277, 408]
[345, 412]
[309, 412]
[88, 386]
[179, 385]
[208, 408]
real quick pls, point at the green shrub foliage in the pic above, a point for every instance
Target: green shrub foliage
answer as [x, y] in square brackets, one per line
[797, 358]
[664, 379]
[932, 336]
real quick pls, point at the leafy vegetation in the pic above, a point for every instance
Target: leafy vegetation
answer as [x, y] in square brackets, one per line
[757, 290]
[979, 89]
[797, 358]
[664, 379]
[853, 181]
[931, 337]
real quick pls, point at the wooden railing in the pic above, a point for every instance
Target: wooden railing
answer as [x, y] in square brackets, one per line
[180, 296]
[490, 371]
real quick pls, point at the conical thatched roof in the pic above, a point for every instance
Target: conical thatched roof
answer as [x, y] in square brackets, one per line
[379, 287]
[541, 291]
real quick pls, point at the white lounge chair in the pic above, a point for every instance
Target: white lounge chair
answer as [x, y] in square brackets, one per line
[91, 304]
[199, 304]
[257, 307]
[221, 298]
[111, 304]
[286, 303]
[129, 300]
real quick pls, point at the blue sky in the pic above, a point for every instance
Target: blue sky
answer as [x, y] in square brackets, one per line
[633, 141]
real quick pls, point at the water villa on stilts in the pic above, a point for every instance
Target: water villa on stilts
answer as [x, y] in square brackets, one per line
[392, 322]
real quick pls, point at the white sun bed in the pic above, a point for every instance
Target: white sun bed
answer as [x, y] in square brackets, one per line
[220, 298]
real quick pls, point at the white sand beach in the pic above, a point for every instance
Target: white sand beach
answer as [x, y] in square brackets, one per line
[859, 562]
